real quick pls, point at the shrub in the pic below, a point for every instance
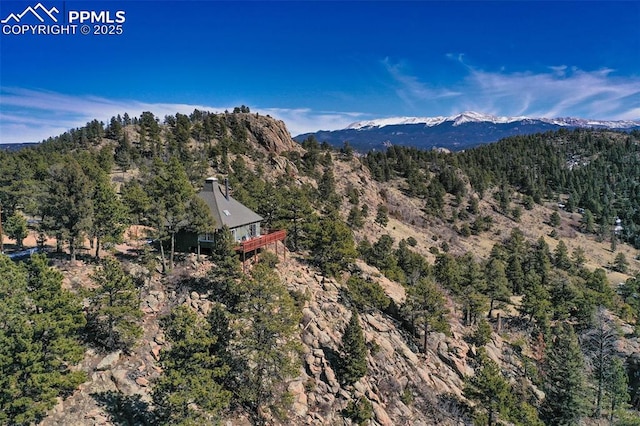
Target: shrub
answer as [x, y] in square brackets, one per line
[360, 411]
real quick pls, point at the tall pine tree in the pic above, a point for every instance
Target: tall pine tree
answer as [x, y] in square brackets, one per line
[353, 360]
[265, 346]
[114, 313]
[190, 389]
[40, 325]
[564, 378]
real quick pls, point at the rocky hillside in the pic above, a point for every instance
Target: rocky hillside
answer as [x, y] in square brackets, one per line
[406, 380]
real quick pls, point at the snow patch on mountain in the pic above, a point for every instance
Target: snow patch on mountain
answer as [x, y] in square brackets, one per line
[476, 117]
[395, 121]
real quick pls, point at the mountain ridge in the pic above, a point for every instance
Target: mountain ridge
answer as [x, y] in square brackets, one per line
[456, 132]
[473, 116]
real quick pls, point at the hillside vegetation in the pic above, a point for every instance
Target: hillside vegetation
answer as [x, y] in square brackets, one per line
[493, 286]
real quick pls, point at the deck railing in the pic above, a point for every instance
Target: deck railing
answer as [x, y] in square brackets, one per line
[261, 241]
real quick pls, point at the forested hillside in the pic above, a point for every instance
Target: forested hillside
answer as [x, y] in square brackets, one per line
[493, 286]
[593, 172]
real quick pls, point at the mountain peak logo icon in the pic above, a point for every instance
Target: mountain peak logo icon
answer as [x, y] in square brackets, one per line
[38, 11]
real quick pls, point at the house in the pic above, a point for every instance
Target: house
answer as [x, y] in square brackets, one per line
[243, 222]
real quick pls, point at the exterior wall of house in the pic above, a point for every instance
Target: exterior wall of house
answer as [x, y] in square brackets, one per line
[188, 241]
[246, 232]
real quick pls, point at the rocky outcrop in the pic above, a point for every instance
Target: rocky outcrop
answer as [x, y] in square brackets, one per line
[264, 131]
[403, 385]
[108, 361]
[395, 366]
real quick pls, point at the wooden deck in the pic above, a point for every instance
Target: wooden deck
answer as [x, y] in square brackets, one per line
[263, 240]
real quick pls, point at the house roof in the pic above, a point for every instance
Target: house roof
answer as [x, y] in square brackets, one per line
[226, 210]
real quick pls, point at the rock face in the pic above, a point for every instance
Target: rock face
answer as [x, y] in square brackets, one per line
[403, 385]
[265, 131]
[108, 361]
[395, 367]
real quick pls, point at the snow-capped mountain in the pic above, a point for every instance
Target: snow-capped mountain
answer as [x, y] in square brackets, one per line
[477, 117]
[454, 132]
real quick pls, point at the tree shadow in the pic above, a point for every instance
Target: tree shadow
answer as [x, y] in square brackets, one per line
[132, 254]
[454, 408]
[335, 362]
[126, 410]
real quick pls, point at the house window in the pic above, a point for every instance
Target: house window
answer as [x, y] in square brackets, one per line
[206, 238]
[253, 231]
[234, 235]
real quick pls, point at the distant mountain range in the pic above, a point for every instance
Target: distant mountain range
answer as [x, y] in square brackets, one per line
[16, 146]
[457, 132]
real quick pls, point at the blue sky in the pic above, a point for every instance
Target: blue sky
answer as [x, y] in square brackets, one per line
[321, 65]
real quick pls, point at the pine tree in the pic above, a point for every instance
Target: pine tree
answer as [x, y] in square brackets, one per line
[616, 386]
[620, 263]
[299, 216]
[588, 222]
[426, 306]
[359, 410]
[483, 333]
[16, 228]
[191, 388]
[564, 378]
[472, 293]
[327, 185]
[200, 219]
[136, 200]
[225, 277]
[110, 216]
[122, 155]
[353, 359]
[528, 202]
[497, 284]
[67, 209]
[515, 274]
[264, 348]
[447, 272]
[561, 256]
[332, 246]
[535, 302]
[489, 388]
[366, 294]
[355, 219]
[541, 259]
[171, 194]
[578, 258]
[114, 312]
[599, 343]
[382, 215]
[39, 340]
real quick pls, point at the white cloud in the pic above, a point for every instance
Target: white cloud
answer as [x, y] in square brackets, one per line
[561, 91]
[588, 94]
[410, 89]
[34, 115]
[305, 120]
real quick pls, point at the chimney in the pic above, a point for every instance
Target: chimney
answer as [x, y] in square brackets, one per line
[226, 188]
[209, 184]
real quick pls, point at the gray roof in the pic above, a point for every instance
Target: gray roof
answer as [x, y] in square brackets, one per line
[225, 211]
